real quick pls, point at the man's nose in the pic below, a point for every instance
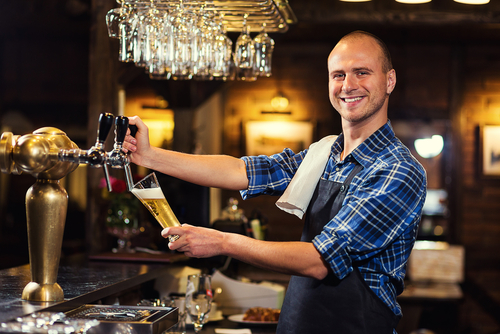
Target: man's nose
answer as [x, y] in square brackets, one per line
[350, 83]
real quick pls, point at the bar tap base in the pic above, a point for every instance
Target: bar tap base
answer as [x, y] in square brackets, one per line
[46, 207]
[36, 292]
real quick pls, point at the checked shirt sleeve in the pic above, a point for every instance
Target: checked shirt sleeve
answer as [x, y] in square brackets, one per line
[270, 175]
[379, 218]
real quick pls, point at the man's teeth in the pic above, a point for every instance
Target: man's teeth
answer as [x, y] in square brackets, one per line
[354, 99]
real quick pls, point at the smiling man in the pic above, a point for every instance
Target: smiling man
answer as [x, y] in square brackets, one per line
[361, 218]
[361, 78]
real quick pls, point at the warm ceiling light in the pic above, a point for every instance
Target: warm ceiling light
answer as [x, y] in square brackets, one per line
[473, 2]
[429, 147]
[413, 2]
[279, 102]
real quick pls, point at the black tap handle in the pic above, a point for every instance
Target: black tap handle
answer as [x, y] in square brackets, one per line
[121, 126]
[105, 124]
[133, 130]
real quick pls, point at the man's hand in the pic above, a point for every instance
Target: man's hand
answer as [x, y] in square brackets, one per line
[138, 146]
[195, 241]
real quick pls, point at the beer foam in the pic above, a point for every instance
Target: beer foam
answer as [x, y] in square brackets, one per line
[151, 193]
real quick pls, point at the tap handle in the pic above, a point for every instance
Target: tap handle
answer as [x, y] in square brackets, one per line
[133, 129]
[121, 126]
[105, 124]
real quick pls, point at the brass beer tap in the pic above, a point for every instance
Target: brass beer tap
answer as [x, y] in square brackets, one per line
[49, 155]
[46, 203]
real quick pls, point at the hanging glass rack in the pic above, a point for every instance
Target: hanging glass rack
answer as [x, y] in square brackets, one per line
[187, 39]
[277, 15]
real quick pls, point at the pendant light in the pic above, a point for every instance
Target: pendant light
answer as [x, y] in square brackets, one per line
[473, 2]
[413, 2]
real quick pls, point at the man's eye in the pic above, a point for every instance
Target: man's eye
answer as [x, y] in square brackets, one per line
[338, 76]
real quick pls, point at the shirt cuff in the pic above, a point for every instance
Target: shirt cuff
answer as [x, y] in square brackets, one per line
[246, 193]
[334, 251]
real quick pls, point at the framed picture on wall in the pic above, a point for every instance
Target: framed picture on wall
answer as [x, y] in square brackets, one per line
[268, 137]
[490, 151]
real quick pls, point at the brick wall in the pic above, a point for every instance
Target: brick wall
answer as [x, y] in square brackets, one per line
[479, 201]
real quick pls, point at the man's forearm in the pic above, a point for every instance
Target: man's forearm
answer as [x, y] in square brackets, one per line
[219, 171]
[294, 258]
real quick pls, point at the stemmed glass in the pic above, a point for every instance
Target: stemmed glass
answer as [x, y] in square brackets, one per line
[114, 17]
[154, 46]
[244, 54]
[199, 299]
[264, 46]
[183, 21]
[223, 47]
[244, 50]
[127, 29]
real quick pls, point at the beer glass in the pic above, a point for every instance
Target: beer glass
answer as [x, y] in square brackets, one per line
[148, 191]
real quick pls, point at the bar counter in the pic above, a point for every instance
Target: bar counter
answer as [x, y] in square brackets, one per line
[210, 327]
[87, 281]
[83, 283]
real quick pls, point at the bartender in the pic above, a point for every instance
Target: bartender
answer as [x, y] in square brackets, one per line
[361, 192]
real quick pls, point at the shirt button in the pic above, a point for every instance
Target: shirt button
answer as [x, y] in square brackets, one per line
[337, 169]
[342, 188]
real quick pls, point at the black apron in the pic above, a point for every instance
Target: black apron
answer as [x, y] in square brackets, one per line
[346, 306]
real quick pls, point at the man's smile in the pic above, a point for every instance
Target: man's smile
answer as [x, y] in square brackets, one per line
[351, 99]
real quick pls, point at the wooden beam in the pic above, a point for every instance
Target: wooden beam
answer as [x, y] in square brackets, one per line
[103, 97]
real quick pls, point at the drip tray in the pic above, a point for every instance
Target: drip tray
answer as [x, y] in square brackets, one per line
[126, 319]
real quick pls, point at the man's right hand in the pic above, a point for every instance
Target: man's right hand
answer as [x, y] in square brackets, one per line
[139, 145]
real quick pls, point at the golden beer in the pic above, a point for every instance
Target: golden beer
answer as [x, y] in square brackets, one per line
[155, 201]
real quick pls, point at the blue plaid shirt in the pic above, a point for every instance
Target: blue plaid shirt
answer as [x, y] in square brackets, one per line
[376, 227]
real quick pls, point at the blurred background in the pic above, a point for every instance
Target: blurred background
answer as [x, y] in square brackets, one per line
[59, 68]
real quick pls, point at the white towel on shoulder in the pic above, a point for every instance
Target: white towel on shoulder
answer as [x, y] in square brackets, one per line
[298, 194]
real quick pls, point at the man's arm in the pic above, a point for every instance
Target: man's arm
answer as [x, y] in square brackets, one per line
[220, 171]
[298, 258]
[294, 258]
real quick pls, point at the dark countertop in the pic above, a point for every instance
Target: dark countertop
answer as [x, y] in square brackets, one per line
[210, 327]
[82, 283]
[87, 281]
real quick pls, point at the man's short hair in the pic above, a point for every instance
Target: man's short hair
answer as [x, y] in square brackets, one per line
[386, 55]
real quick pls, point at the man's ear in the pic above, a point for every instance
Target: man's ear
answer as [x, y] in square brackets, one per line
[391, 81]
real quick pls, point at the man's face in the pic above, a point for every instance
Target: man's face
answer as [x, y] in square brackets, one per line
[358, 87]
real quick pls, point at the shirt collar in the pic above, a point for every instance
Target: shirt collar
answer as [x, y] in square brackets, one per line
[367, 152]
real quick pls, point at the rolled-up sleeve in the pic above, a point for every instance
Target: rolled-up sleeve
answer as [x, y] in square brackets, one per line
[270, 175]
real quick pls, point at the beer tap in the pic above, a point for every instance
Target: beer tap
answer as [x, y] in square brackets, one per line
[46, 202]
[96, 156]
[49, 155]
[118, 158]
